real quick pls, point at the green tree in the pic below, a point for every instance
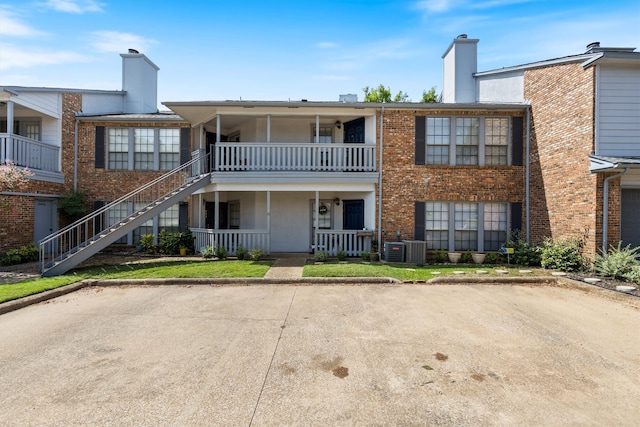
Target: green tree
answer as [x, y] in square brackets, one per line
[383, 94]
[430, 96]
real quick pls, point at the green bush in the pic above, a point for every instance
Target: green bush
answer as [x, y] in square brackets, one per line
[342, 255]
[633, 275]
[618, 262]
[440, 256]
[562, 254]
[25, 253]
[220, 252]
[256, 253]
[208, 252]
[467, 257]
[321, 256]
[364, 255]
[523, 253]
[73, 206]
[241, 252]
[170, 242]
[147, 244]
[493, 258]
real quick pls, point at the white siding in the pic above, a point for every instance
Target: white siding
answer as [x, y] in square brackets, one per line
[93, 103]
[51, 131]
[506, 87]
[618, 111]
[48, 103]
[631, 179]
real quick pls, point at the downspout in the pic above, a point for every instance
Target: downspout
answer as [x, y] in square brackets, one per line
[380, 180]
[528, 177]
[605, 209]
[75, 156]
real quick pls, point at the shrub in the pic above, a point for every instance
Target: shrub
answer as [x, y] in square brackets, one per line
[220, 252]
[241, 252]
[170, 242]
[25, 253]
[207, 253]
[493, 258]
[73, 206]
[618, 262]
[364, 255]
[342, 255]
[256, 253]
[440, 256]
[563, 254]
[523, 253]
[467, 257]
[147, 244]
[633, 275]
[321, 256]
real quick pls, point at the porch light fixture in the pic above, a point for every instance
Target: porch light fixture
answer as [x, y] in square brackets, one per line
[336, 201]
[338, 124]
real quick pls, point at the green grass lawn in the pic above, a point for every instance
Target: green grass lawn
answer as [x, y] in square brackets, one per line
[406, 271]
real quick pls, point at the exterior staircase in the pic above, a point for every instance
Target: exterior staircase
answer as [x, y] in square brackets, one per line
[65, 249]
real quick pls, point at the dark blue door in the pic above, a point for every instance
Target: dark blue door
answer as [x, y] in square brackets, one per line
[353, 214]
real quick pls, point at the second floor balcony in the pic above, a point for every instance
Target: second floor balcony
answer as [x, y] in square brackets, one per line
[303, 157]
[29, 153]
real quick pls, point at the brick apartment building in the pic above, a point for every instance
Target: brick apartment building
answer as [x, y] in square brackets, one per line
[538, 147]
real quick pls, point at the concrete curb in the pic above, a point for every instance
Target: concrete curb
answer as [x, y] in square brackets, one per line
[17, 304]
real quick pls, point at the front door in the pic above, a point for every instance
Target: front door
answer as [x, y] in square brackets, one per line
[45, 215]
[353, 214]
[210, 216]
[354, 131]
[629, 219]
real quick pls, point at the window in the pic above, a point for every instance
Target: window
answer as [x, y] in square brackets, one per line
[169, 148]
[437, 225]
[466, 227]
[169, 219]
[482, 141]
[115, 215]
[495, 225]
[496, 140]
[118, 148]
[467, 140]
[234, 215]
[325, 134]
[438, 129]
[146, 228]
[143, 148]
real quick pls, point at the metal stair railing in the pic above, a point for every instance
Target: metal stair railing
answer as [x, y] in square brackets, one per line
[70, 240]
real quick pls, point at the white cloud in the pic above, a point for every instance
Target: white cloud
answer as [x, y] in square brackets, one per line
[74, 6]
[114, 41]
[435, 5]
[11, 25]
[330, 77]
[19, 57]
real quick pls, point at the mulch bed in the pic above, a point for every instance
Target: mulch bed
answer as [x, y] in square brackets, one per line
[604, 282]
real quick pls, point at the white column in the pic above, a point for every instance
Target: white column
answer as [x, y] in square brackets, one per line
[316, 220]
[216, 215]
[317, 135]
[202, 137]
[218, 128]
[200, 224]
[9, 152]
[268, 127]
[269, 217]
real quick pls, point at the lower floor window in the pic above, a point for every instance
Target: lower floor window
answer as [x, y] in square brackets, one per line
[466, 226]
[168, 219]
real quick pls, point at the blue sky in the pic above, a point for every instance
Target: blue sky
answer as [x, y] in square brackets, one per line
[280, 50]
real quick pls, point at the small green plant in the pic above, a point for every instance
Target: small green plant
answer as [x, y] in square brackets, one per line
[241, 253]
[208, 252]
[440, 256]
[467, 257]
[523, 253]
[321, 256]
[618, 263]
[364, 255]
[256, 253]
[25, 253]
[72, 206]
[493, 258]
[342, 255]
[147, 243]
[170, 242]
[633, 275]
[374, 245]
[220, 252]
[563, 254]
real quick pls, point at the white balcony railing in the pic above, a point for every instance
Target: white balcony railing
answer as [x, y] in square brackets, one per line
[330, 241]
[26, 152]
[229, 157]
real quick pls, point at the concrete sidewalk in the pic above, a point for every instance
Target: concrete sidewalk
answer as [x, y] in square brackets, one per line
[287, 266]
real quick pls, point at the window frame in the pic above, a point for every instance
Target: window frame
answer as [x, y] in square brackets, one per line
[133, 157]
[454, 136]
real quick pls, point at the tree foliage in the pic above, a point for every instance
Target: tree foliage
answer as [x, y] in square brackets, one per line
[383, 93]
[14, 179]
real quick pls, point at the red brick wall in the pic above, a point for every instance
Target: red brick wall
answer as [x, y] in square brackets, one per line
[403, 180]
[564, 199]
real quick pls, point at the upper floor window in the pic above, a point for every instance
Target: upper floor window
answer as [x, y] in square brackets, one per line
[325, 134]
[143, 148]
[465, 141]
[29, 128]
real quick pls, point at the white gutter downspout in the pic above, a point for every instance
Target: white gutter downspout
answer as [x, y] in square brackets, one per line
[380, 181]
[528, 177]
[75, 156]
[605, 209]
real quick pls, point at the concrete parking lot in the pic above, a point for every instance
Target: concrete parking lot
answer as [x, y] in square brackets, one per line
[322, 355]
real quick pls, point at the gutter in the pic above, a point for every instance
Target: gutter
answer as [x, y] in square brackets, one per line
[605, 209]
[75, 156]
[528, 178]
[380, 181]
